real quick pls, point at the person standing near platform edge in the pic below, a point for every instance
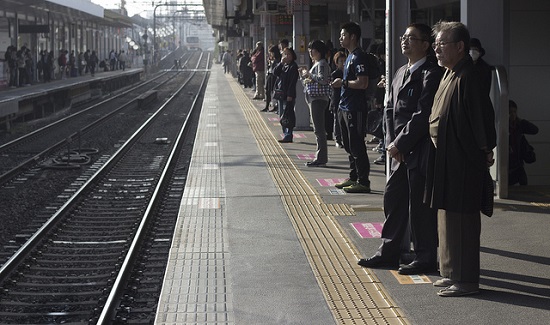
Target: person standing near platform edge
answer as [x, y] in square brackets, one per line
[320, 74]
[258, 67]
[462, 128]
[287, 76]
[353, 110]
[122, 58]
[93, 62]
[407, 110]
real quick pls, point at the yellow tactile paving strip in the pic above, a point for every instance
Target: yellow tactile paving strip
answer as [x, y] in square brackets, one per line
[354, 295]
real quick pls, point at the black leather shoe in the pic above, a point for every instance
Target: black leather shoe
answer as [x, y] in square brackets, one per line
[315, 163]
[285, 140]
[417, 267]
[264, 110]
[376, 261]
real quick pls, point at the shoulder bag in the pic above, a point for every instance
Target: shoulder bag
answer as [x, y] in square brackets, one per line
[527, 151]
[374, 123]
[315, 89]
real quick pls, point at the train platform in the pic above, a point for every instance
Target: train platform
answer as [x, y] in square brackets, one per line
[41, 99]
[263, 239]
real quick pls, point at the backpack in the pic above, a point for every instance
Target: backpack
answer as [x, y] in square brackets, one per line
[373, 67]
[374, 73]
[527, 151]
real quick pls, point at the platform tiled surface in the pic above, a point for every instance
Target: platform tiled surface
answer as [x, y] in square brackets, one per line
[196, 288]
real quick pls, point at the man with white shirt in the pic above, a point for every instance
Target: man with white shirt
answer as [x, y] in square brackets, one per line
[408, 143]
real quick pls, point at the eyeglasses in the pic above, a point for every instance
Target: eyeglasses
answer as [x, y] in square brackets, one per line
[441, 44]
[410, 38]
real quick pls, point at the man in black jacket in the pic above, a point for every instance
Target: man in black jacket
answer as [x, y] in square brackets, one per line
[408, 142]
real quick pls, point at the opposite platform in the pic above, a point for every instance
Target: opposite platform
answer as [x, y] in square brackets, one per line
[44, 98]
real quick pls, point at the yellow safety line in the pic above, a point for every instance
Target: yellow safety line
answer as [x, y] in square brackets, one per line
[354, 294]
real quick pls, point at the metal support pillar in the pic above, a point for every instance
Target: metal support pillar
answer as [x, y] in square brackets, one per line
[397, 20]
[300, 37]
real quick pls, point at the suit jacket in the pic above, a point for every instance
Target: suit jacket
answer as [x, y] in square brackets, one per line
[407, 112]
[462, 125]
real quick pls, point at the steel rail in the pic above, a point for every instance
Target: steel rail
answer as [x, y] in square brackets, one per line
[11, 173]
[46, 127]
[39, 235]
[114, 296]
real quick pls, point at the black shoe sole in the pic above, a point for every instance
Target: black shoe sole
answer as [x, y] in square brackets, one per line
[315, 165]
[365, 263]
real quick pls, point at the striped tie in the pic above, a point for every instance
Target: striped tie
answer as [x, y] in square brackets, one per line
[406, 76]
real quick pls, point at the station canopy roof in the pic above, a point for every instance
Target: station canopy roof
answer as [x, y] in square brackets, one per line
[64, 10]
[217, 17]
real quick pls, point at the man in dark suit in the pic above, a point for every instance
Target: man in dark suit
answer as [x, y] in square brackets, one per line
[407, 111]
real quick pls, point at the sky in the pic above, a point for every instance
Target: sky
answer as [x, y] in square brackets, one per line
[132, 6]
[139, 7]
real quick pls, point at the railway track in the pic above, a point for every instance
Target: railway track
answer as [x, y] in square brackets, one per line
[75, 268]
[41, 185]
[34, 147]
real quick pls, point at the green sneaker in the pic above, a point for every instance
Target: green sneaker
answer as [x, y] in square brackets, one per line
[357, 188]
[347, 182]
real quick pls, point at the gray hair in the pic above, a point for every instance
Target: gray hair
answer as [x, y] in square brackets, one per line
[456, 29]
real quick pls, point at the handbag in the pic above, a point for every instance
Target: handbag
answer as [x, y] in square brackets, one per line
[527, 151]
[288, 119]
[374, 123]
[315, 89]
[487, 195]
[278, 94]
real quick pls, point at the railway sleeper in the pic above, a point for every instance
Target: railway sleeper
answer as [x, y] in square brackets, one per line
[46, 303]
[82, 260]
[96, 254]
[34, 295]
[98, 269]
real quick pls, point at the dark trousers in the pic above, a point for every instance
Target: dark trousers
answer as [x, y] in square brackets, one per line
[517, 175]
[353, 125]
[269, 83]
[23, 78]
[329, 122]
[403, 197]
[13, 77]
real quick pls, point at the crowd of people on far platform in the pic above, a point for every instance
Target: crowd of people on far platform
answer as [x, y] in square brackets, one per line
[24, 69]
[436, 126]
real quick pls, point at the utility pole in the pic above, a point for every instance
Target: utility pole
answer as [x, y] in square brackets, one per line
[123, 10]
